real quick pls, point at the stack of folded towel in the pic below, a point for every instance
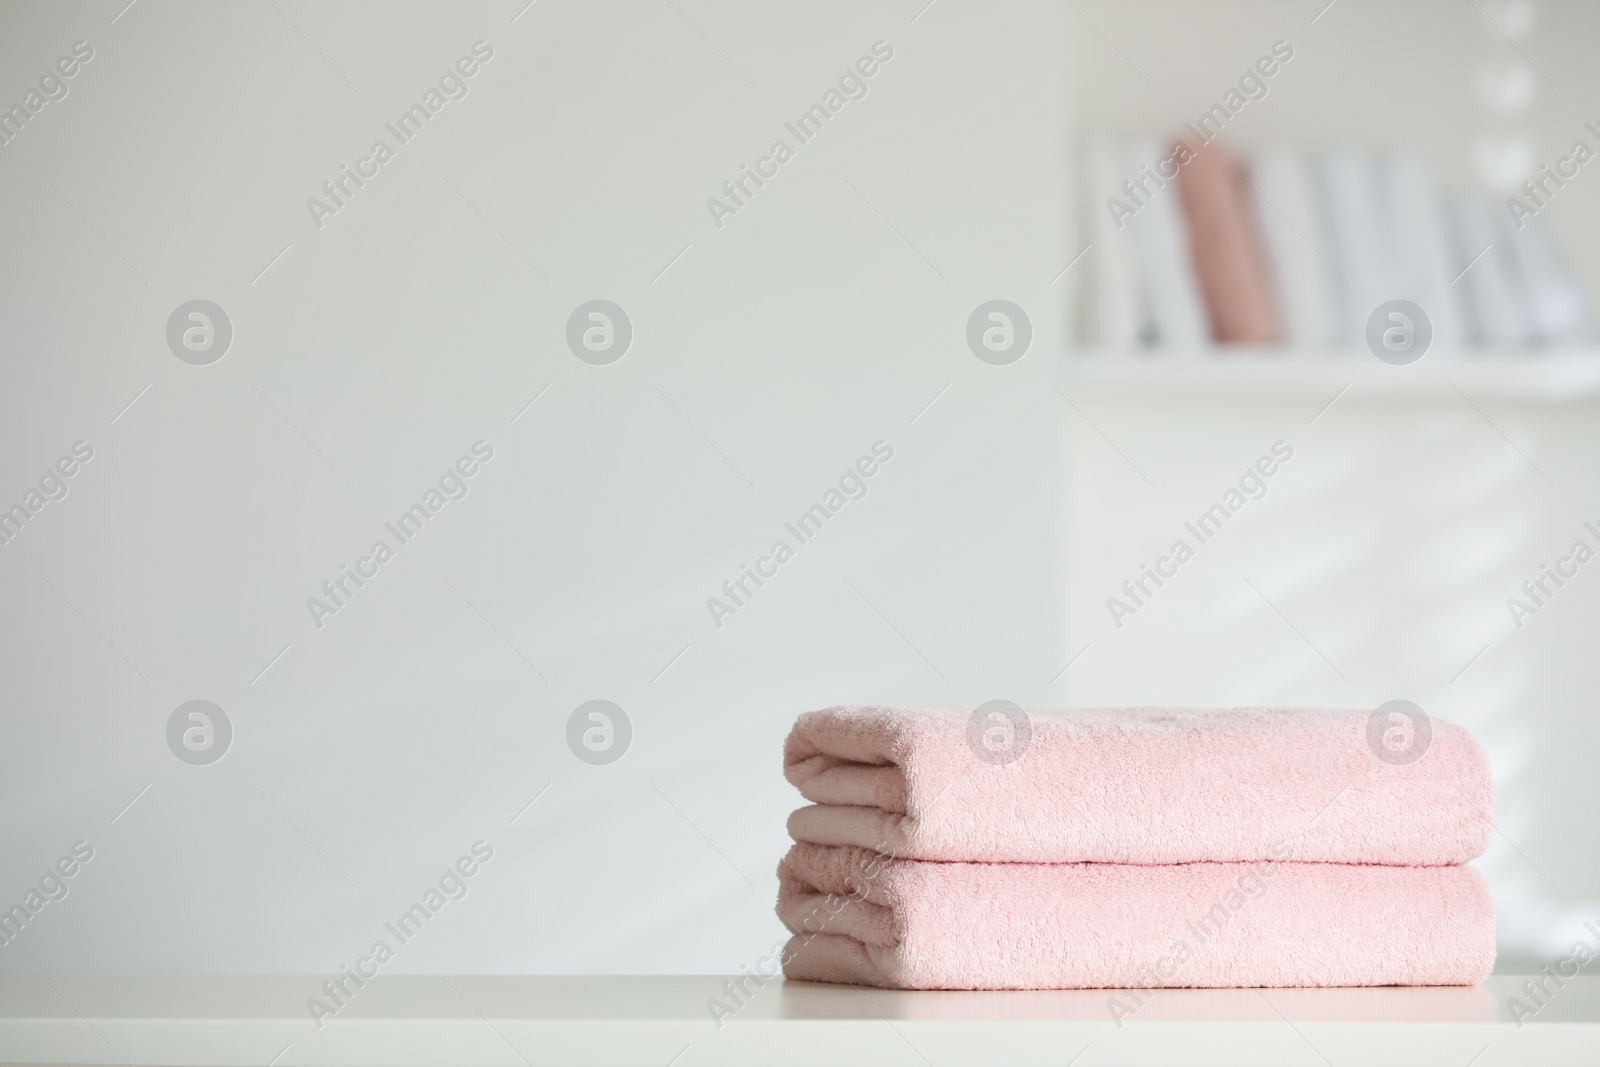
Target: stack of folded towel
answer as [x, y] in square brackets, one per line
[1133, 848]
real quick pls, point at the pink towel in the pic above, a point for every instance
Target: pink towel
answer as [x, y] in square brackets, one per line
[1136, 785]
[864, 918]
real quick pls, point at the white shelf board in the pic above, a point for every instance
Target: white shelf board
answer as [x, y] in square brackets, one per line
[655, 1021]
[1566, 375]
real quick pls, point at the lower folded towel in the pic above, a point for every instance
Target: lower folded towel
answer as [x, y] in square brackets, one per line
[862, 917]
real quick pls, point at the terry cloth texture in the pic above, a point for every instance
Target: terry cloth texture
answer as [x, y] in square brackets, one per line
[861, 917]
[1138, 786]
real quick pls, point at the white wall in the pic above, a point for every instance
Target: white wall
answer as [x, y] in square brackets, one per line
[818, 320]
[383, 744]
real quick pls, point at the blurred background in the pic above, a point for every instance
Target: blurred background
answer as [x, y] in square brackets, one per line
[361, 345]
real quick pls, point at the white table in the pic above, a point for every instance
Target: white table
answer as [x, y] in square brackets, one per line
[656, 1021]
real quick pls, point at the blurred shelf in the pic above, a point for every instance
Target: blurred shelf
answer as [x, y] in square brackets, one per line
[1547, 375]
[654, 1021]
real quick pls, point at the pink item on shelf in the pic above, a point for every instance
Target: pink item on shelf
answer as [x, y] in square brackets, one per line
[1230, 263]
[1138, 786]
[864, 918]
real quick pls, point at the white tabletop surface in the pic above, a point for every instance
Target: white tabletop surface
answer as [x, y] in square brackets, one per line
[659, 1021]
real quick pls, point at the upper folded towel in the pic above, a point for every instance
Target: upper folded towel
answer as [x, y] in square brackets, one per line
[1137, 785]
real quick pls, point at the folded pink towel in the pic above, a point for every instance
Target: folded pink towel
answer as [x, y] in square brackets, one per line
[864, 918]
[1136, 785]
